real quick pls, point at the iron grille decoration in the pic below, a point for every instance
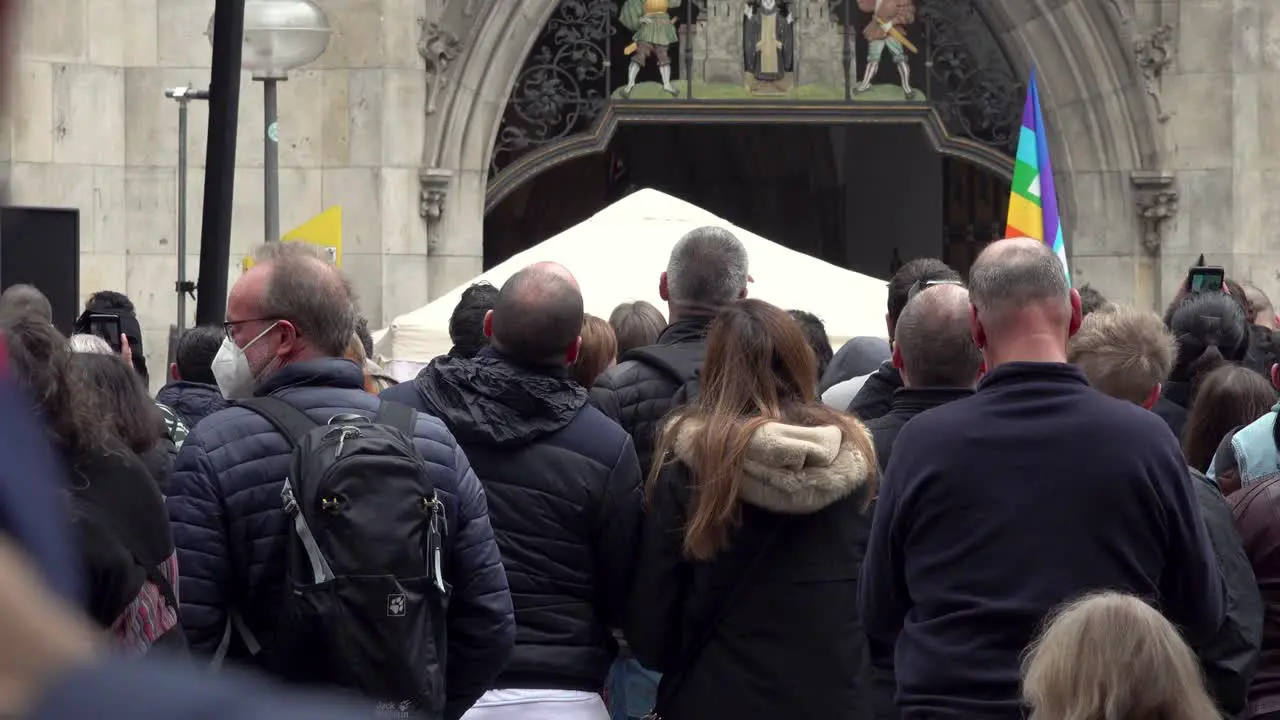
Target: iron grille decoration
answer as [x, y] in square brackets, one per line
[577, 67]
[563, 85]
[973, 84]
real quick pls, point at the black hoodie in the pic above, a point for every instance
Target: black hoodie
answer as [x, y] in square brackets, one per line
[563, 486]
[876, 396]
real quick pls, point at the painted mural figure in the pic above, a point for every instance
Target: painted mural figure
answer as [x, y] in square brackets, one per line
[768, 40]
[887, 31]
[655, 33]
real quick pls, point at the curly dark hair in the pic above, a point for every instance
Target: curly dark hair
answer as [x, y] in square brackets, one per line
[129, 412]
[41, 358]
[466, 324]
[815, 333]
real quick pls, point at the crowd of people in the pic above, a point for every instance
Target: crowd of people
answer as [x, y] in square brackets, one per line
[1027, 501]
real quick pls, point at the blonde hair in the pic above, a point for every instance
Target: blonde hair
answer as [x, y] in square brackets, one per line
[1111, 655]
[1124, 352]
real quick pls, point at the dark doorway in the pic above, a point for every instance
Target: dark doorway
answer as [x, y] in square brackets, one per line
[864, 197]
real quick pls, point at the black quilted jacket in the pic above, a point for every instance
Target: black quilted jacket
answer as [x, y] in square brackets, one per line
[639, 395]
[563, 487]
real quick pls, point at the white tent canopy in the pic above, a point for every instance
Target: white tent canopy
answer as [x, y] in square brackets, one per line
[617, 256]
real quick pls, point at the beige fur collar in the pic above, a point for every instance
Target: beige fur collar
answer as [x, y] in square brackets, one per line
[793, 469]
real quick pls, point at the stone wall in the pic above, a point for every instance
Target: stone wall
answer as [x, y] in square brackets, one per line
[1221, 92]
[1159, 113]
[92, 130]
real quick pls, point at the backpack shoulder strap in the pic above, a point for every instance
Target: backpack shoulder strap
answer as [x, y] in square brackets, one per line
[680, 362]
[289, 420]
[397, 415]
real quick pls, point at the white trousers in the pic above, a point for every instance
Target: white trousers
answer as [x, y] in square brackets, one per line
[538, 705]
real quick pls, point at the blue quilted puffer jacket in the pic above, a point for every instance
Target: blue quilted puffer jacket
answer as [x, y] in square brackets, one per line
[230, 529]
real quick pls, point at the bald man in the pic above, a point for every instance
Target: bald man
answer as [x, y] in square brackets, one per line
[1032, 492]
[288, 321]
[936, 356]
[563, 482]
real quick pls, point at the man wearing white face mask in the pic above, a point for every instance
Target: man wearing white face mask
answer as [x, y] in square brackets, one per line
[289, 319]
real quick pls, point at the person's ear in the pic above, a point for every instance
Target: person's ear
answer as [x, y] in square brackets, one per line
[173, 372]
[975, 329]
[663, 292]
[896, 357]
[289, 338]
[1275, 376]
[1153, 397]
[488, 324]
[1077, 314]
[888, 325]
[571, 355]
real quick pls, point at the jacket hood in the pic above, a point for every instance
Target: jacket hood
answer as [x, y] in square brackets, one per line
[793, 469]
[192, 401]
[491, 401]
[860, 356]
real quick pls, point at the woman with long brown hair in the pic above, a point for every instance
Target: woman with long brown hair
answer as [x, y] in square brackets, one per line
[1228, 398]
[746, 587]
[125, 540]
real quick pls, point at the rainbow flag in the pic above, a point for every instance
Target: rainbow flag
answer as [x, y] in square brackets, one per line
[1033, 200]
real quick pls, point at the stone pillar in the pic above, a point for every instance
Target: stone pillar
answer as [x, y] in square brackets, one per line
[474, 52]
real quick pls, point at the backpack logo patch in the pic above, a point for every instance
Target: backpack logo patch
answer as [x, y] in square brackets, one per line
[395, 605]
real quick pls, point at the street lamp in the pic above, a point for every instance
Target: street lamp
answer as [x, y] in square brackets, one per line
[279, 36]
[184, 287]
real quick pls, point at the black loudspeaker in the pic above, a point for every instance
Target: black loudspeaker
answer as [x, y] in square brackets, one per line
[41, 247]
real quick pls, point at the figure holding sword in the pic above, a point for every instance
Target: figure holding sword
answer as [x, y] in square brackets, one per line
[886, 30]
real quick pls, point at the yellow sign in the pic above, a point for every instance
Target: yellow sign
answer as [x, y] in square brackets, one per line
[323, 230]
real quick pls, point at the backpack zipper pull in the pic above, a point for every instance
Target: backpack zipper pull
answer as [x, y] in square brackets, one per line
[437, 526]
[342, 439]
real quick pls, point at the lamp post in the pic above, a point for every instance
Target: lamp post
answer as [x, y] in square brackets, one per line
[184, 287]
[279, 36]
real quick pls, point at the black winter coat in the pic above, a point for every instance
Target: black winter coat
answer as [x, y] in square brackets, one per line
[876, 396]
[563, 484]
[791, 644]
[639, 394]
[1230, 657]
[1174, 406]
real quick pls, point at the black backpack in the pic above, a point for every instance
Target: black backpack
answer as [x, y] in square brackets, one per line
[366, 595]
[681, 362]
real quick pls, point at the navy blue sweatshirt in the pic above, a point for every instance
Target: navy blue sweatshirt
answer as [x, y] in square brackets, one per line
[998, 508]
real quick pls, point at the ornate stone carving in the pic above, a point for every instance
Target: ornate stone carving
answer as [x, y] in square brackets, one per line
[433, 189]
[1155, 54]
[1156, 199]
[438, 47]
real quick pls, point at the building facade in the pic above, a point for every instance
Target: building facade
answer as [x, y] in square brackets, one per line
[1163, 113]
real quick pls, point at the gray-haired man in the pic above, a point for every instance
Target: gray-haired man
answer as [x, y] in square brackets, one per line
[707, 271]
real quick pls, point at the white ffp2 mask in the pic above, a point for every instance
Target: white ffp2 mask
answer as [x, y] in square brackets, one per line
[236, 380]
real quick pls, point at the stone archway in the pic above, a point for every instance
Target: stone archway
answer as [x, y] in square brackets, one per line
[1107, 137]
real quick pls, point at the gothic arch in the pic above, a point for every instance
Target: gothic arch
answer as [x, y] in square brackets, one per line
[1083, 49]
